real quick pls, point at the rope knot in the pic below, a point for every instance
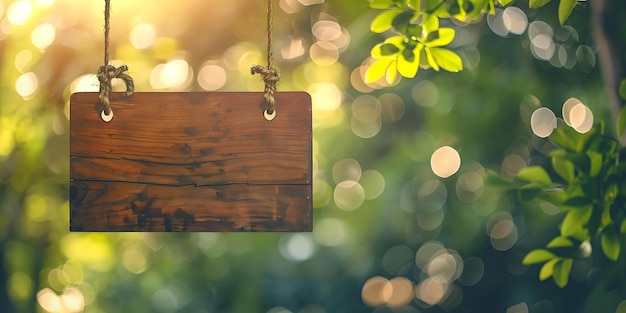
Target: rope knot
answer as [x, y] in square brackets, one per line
[106, 73]
[270, 77]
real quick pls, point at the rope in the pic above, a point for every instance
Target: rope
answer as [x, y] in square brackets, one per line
[269, 75]
[107, 72]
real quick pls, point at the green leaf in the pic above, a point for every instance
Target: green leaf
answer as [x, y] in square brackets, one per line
[621, 119]
[495, 180]
[560, 242]
[570, 139]
[561, 272]
[565, 9]
[505, 2]
[534, 174]
[538, 256]
[446, 59]
[430, 23]
[595, 163]
[622, 228]
[445, 36]
[622, 89]
[377, 70]
[408, 67]
[382, 4]
[387, 49]
[547, 269]
[384, 20]
[574, 223]
[577, 202]
[554, 196]
[610, 243]
[402, 21]
[431, 60]
[564, 167]
[414, 4]
[535, 4]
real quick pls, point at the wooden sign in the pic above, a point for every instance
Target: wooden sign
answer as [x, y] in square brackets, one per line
[205, 161]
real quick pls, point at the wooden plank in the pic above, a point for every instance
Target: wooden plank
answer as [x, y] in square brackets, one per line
[191, 162]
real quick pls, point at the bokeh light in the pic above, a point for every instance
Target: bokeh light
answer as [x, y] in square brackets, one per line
[19, 12]
[346, 169]
[43, 36]
[445, 162]
[349, 195]
[543, 122]
[297, 247]
[26, 84]
[143, 35]
[212, 76]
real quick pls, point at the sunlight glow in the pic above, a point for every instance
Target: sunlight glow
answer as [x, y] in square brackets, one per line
[325, 96]
[19, 12]
[43, 36]
[142, 36]
[445, 162]
[26, 84]
[22, 59]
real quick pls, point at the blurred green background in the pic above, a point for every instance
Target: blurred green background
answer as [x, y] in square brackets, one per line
[389, 234]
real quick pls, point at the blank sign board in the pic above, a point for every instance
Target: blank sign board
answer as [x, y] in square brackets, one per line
[203, 161]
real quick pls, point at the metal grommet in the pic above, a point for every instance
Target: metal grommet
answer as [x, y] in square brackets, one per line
[269, 116]
[106, 117]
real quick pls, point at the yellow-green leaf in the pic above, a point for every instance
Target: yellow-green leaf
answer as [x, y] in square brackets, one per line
[534, 4]
[595, 159]
[610, 243]
[381, 4]
[538, 256]
[560, 242]
[534, 174]
[415, 4]
[547, 269]
[431, 60]
[574, 221]
[392, 72]
[621, 119]
[563, 167]
[377, 70]
[561, 272]
[505, 2]
[409, 68]
[430, 23]
[383, 21]
[565, 9]
[446, 35]
[446, 59]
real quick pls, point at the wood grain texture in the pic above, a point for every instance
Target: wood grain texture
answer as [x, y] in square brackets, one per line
[191, 162]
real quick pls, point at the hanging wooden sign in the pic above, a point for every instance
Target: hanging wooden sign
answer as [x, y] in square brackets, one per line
[204, 161]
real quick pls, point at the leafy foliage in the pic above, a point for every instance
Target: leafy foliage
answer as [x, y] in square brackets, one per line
[420, 40]
[589, 188]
